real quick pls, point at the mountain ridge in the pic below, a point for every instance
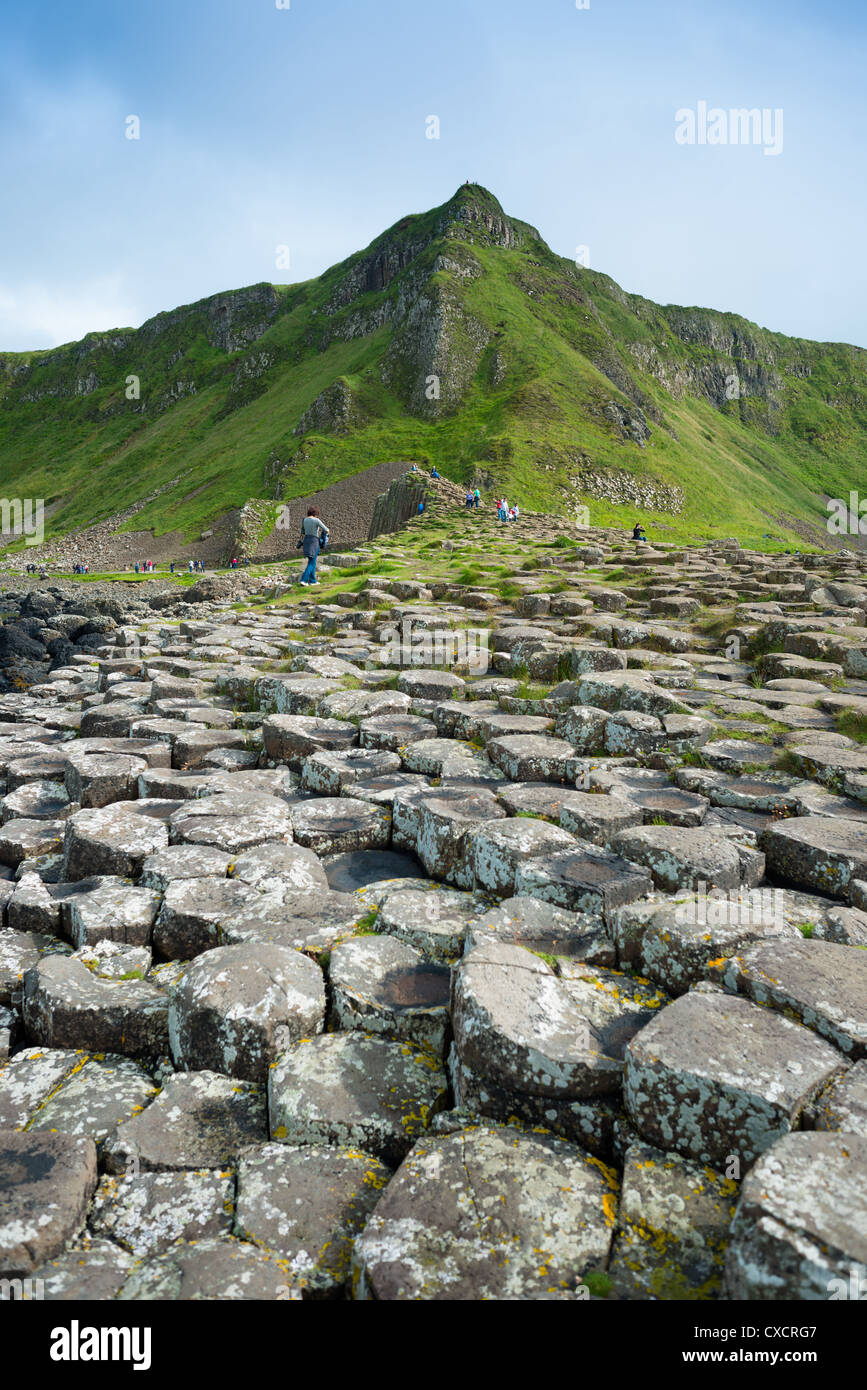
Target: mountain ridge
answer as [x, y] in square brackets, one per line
[456, 337]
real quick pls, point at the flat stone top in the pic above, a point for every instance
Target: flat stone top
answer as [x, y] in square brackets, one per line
[813, 1182]
[727, 1042]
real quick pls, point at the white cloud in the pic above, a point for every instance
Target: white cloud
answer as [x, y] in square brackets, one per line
[36, 316]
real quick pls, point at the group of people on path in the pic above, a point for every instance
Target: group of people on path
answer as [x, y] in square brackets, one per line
[473, 497]
[144, 566]
[505, 512]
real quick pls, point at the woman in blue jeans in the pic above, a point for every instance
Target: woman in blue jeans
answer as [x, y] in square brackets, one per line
[314, 535]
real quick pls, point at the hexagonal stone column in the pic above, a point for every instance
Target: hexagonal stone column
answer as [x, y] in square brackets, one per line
[490, 1213]
[368, 1093]
[308, 1204]
[65, 1005]
[822, 853]
[823, 985]
[714, 1077]
[495, 852]
[800, 1229]
[237, 1006]
[199, 1120]
[384, 986]
[47, 1182]
[110, 840]
[518, 1025]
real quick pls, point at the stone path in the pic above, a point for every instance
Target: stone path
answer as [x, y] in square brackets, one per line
[445, 934]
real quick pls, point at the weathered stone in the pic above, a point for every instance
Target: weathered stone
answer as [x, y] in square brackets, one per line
[434, 923]
[363, 1092]
[689, 859]
[394, 731]
[532, 757]
[94, 1098]
[518, 1025]
[384, 986]
[65, 1005]
[232, 823]
[236, 1007]
[333, 825]
[221, 1269]
[111, 840]
[817, 852]
[490, 1213]
[290, 738]
[674, 943]
[543, 927]
[98, 779]
[585, 879]
[823, 985]
[596, 818]
[111, 911]
[799, 1229]
[328, 774]
[147, 1212]
[309, 1203]
[47, 1181]
[89, 1270]
[843, 1104]
[199, 1120]
[713, 1077]
[494, 853]
[672, 1227]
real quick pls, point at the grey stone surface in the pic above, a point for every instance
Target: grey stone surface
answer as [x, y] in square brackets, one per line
[236, 1007]
[46, 1181]
[714, 1076]
[308, 1203]
[361, 1092]
[800, 1229]
[487, 1214]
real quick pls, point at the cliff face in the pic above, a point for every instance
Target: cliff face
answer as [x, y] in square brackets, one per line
[457, 337]
[393, 508]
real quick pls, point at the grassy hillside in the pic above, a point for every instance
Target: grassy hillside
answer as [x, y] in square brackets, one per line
[544, 372]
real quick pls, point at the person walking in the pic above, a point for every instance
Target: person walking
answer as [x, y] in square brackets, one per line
[477, 497]
[314, 535]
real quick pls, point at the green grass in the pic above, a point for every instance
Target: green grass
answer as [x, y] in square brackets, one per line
[853, 724]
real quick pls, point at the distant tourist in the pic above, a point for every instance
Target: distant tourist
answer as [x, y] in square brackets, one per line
[314, 536]
[477, 497]
[469, 500]
[638, 532]
[434, 472]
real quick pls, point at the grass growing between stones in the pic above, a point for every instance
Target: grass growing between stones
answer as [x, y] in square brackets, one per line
[853, 724]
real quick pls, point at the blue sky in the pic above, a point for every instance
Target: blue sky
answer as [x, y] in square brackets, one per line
[305, 127]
